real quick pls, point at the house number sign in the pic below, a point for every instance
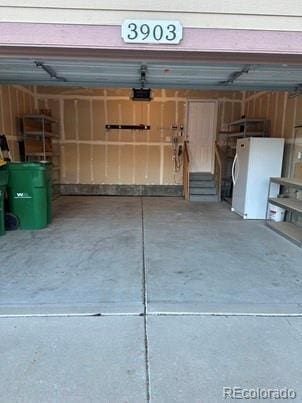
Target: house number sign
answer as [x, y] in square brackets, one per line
[152, 31]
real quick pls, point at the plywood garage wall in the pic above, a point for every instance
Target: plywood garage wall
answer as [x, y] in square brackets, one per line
[272, 106]
[92, 155]
[15, 101]
[284, 112]
[294, 136]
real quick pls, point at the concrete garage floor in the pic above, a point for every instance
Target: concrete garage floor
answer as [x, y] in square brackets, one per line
[129, 300]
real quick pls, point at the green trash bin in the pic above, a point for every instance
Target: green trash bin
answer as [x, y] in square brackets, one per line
[48, 174]
[30, 193]
[3, 184]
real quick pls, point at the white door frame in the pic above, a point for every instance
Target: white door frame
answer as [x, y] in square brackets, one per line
[205, 100]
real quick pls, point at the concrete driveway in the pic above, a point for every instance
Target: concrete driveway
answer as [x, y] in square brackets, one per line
[154, 299]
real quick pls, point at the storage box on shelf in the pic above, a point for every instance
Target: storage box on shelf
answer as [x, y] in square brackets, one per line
[39, 131]
[292, 206]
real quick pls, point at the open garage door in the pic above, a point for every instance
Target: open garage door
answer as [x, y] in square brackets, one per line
[122, 70]
[89, 95]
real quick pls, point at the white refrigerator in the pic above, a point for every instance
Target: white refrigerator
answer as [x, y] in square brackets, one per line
[256, 160]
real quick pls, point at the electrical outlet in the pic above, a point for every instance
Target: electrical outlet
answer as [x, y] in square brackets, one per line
[299, 156]
[168, 139]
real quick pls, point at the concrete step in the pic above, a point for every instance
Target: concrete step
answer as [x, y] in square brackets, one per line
[202, 176]
[202, 184]
[202, 191]
[204, 198]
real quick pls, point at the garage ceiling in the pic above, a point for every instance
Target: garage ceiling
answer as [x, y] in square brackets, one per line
[126, 74]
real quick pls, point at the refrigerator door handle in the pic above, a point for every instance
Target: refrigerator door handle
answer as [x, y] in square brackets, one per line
[237, 170]
[233, 169]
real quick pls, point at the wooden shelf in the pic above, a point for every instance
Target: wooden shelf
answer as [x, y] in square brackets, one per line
[291, 182]
[41, 117]
[41, 154]
[288, 203]
[246, 121]
[287, 229]
[40, 133]
[247, 134]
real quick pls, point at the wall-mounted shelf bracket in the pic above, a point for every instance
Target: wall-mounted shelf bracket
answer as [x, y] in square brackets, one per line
[127, 127]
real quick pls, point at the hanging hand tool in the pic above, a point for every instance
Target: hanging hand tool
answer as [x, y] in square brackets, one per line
[5, 155]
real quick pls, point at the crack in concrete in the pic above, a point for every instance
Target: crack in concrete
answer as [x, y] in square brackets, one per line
[145, 302]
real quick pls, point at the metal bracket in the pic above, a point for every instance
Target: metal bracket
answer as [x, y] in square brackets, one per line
[50, 71]
[236, 75]
[127, 127]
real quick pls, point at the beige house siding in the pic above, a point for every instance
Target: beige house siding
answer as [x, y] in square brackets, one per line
[257, 14]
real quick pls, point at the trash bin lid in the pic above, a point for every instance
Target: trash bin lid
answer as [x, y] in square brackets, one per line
[24, 166]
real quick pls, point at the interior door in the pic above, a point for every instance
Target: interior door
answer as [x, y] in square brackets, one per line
[202, 118]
